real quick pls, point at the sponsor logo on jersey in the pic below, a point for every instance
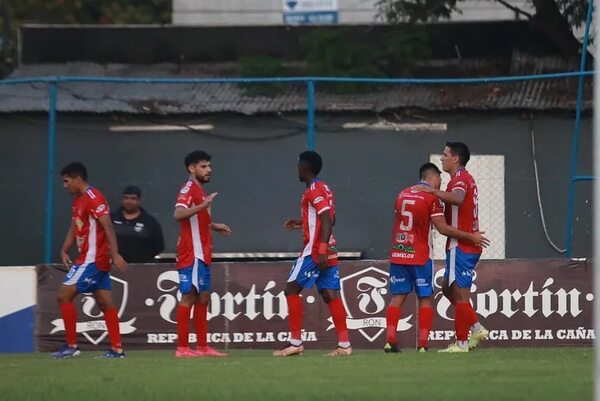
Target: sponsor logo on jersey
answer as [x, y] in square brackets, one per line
[404, 248]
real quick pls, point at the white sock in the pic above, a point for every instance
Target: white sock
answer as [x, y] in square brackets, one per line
[345, 344]
[462, 344]
[296, 343]
[476, 327]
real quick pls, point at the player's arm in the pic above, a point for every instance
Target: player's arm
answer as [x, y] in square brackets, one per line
[67, 244]
[443, 228]
[109, 232]
[221, 228]
[326, 228]
[456, 197]
[293, 224]
[183, 212]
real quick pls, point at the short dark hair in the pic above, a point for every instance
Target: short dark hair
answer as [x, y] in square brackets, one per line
[133, 190]
[313, 160]
[75, 169]
[426, 168]
[461, 150]
[196, 157]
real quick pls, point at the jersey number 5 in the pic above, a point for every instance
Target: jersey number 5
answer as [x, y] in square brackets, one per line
[406, 215]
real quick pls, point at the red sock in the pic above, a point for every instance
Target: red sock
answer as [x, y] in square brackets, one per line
[425, 323]
[472, 316]
[111, 318]
[295, 316]
[338, 313]
[69, 315]
[461, 320]
[392, 317]
[201, 323]
[183, 326]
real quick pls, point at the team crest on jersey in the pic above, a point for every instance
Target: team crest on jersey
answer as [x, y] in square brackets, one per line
[95, 328]
[79, 223]
[366, 312]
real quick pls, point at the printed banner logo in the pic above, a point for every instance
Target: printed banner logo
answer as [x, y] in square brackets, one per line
[366, 313]
[99, 325]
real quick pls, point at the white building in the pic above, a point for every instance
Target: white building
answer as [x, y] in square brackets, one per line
[278, 12]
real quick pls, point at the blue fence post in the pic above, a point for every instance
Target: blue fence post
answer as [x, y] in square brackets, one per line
[310, 110]
[52, 95]
[576, 130]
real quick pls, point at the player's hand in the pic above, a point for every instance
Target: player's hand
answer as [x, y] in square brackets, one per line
[322, 261]
[293, 224]
[480, 240]
[66, 260]
[424, 188]
[207, 201]
[222, 229]
[119, 262]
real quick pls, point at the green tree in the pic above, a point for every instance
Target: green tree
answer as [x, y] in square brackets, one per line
[552, 18]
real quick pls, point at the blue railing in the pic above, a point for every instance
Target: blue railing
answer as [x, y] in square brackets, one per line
[310, 83]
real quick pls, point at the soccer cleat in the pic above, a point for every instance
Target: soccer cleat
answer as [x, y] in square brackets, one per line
[112, 354]
[185, 352]
[391, 348]
[290, 350]
[477, 337]
[208, 351]
[454, 349]
[422, 350]
[65, 352]
[339, 351]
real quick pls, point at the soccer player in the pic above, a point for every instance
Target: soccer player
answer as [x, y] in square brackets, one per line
[461, 199]
[411, 264]
[194, 254]
[318, 262]
[91, 229]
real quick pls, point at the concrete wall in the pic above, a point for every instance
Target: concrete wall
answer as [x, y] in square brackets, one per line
[260, 12]
[257, 182]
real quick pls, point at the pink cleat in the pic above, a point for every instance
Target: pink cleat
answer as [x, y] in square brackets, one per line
[208, 351]
[184, 352]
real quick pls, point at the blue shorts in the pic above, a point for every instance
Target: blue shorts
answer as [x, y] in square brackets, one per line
[197, 275]
[405, 278]
[87, 278]
[306, 273]
[460, 267]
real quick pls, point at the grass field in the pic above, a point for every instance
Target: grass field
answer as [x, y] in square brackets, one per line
[485, 375]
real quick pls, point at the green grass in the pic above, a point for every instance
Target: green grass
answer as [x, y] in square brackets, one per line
[489, 374]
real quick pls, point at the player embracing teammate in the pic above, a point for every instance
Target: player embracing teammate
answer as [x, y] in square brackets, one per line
[461, 199]
[411, 264]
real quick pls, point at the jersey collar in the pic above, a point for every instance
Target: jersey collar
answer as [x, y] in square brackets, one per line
[459, 170]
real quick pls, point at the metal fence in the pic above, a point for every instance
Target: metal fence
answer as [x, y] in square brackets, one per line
[310, 83]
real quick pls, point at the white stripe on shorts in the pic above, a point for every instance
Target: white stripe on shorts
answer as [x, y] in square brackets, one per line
[80, 270]
[195, 275]
[452, 267]
[296, 269]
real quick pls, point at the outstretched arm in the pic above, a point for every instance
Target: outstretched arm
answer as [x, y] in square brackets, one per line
[182, 213]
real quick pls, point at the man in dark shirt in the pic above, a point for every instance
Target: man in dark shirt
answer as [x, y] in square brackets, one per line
[139, 234]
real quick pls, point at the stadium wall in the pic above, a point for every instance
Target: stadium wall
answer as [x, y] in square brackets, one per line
[257, 181]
